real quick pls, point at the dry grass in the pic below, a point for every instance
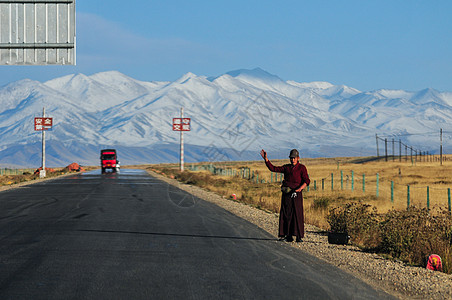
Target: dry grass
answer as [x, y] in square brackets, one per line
[6, 180]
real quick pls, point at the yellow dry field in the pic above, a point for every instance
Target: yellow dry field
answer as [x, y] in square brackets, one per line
[344, 180]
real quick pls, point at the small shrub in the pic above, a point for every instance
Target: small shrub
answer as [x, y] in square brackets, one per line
[358, 221]
[337, 219]
[413, 235]
[321, 203]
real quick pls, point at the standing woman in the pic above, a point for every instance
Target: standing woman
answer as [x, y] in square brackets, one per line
[296, 178]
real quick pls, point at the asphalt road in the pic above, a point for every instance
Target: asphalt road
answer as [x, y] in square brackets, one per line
[131, 236]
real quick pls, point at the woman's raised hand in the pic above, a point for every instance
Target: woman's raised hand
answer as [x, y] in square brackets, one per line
[264, 154]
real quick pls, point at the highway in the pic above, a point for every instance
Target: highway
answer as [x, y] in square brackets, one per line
[132, 236]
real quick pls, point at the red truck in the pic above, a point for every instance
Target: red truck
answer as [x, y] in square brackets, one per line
[109, 160]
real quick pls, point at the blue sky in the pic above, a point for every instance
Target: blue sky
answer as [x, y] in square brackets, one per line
[364, 44]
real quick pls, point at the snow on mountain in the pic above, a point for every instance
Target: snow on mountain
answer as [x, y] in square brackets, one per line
[101, 90]
[233, 116]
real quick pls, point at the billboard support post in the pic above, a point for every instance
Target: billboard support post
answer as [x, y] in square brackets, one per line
[42, 173]
[42, 124]
[181, 124]
[182, 143]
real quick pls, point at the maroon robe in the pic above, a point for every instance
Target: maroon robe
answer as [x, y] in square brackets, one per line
[291, 216]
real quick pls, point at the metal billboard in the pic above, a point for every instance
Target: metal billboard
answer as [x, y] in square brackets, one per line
[37, 32]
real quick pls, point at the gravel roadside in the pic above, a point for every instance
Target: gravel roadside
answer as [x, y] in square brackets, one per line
[394, 277]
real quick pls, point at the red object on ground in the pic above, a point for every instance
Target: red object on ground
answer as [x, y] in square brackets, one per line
[47, 170]
[74, 167]
[434, 263]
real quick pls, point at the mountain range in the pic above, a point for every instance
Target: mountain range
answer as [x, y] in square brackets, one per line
[232, 116]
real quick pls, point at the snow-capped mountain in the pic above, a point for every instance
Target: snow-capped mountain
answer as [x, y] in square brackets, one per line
[233, 116]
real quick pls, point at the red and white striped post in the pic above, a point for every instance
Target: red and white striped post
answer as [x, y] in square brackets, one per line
[182, 142]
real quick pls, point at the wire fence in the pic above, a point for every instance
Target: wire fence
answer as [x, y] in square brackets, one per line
[393, 191]
[354, 185]
[12, 171]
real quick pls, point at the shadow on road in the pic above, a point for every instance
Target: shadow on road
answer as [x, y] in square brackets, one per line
[178, 234]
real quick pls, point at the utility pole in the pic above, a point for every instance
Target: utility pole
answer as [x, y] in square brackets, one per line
[386, 149]
[393, 151]
[378, 150]
[42, 173]
[406, 152]
[441, 146]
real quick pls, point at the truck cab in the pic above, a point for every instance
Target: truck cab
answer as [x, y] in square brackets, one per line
[109, 160]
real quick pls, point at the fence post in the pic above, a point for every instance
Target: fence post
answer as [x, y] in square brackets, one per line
[323, 184]
[342, 180]
[315, 185]
[364, 183]
[448, 197]
[408, 197]
[392, 191]
[353, 181]
[428, 198]
[332, 182]
[257, 178]
[271, 177]
[377, 183]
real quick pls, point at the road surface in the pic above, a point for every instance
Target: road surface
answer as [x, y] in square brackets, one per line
[131, 236]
